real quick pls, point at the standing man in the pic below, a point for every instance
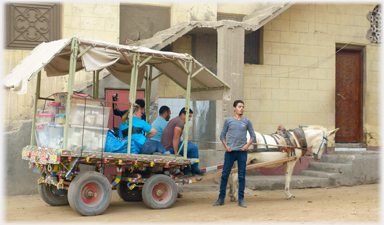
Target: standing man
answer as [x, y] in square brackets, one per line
[171, 139]
[161, 121]
[235, 149]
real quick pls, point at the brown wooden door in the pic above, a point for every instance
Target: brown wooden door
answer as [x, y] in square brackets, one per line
[123, 97]
[349, 96]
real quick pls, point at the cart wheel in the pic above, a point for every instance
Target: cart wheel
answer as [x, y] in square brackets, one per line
[52, 196]
[90, 193]
[159, 192]
[127, 195]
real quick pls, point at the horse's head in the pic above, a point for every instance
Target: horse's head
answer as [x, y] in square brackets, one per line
[317, 140]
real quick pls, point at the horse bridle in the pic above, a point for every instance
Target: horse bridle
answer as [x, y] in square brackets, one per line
[325, 142]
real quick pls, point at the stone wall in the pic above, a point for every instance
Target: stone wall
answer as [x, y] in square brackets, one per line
[296, 83]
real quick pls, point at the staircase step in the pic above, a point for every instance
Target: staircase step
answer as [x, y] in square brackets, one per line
[337, 158]
[315, 173]
[277, 182]
[330, 167]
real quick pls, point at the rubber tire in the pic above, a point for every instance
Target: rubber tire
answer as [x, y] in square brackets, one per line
[53, 199]
[129, 195]
[149, 186]
[75, 193]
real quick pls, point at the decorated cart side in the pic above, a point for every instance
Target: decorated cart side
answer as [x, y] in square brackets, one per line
[149, 178]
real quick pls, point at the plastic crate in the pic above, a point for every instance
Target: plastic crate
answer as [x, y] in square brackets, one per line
[62, 98]
[42, 133]
[61, 110]
[53, 107]
[90, 115]
[45, 117]
[60, 119]
[91, 139]
[56, 135]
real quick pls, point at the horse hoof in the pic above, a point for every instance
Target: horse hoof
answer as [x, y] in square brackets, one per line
[291, 198]
[233, 200]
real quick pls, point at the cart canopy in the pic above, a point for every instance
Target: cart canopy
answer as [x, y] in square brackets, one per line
[54, 57]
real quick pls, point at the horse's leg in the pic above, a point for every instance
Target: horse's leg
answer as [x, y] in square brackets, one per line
[233, 185]
[288, 175]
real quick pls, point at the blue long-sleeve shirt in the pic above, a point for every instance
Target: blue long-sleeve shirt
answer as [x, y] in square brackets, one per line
[237, 132]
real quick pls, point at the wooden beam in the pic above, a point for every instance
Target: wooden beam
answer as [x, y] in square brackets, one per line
[146, 60]
[157, 76]
[249, 167]
[198, 71]
[82, 53]
[63, 53]
[126, 57]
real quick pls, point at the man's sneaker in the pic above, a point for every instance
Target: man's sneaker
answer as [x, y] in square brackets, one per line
[198, 171]
[242, 204]
[167, 153]
[219, 202]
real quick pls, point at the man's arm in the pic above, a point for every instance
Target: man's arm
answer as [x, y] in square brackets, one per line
[176, 139]
[227, 148]
[253, 136]
[222, 136]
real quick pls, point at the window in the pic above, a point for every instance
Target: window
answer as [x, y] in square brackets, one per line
[28, 25]
[374, 32]
[253, 49]
[138, 22]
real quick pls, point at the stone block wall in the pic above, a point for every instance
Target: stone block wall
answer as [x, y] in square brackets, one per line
[296, 84]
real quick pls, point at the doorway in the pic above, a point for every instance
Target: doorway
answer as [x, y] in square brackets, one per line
[349, 96]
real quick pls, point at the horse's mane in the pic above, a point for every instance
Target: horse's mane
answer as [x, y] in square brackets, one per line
[315, 127]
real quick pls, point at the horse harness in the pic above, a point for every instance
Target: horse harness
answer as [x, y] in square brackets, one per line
[282, 134]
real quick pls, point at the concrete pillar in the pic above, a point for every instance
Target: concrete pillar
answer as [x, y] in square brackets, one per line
[204, 123]
[230, 68]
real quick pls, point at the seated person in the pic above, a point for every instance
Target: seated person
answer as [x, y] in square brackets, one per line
[161, 121]
[140, 144]
[171, 139]
[139, 102]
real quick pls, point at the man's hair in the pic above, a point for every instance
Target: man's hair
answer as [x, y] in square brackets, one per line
[163, 109]
[237, 102]
[140, 102]
[182, 111]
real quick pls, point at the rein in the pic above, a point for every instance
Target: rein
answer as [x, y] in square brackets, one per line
[322, 142]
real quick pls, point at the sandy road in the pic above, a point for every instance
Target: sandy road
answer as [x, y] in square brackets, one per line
[357, 204]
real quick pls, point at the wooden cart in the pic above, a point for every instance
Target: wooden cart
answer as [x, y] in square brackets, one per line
[151, 178]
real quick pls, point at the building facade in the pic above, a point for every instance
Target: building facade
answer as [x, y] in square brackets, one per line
[292, 64]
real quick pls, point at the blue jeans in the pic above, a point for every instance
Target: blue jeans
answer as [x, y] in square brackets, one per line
[229, 159]
[150, 146]
[192, 152]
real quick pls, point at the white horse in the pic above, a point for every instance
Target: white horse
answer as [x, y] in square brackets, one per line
[316, 140]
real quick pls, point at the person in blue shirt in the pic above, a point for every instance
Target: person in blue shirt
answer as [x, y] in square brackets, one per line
[140, 144]
[161, 121]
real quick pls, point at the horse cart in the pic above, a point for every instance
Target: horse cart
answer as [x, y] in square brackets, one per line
[151, 178]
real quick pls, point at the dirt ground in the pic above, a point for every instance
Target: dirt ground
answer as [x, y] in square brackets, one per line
[357, 204]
